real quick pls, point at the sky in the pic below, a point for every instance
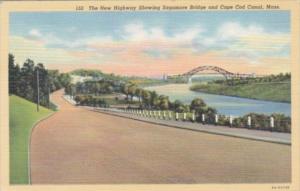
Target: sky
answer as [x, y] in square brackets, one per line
[153, 43]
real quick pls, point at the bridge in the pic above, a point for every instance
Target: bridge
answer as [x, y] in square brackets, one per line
[227, 75]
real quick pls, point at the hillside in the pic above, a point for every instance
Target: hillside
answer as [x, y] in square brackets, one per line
[22, 117]
[280, 92]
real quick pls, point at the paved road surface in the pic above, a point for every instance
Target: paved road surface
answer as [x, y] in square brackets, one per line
[80, 146]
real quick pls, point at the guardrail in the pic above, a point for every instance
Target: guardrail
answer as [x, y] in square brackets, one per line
[216, 119]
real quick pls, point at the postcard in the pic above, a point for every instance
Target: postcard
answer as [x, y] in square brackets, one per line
[150, 95]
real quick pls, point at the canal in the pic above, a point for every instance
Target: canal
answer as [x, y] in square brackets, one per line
[224, 104]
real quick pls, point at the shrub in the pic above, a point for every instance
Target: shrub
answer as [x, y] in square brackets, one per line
[282, 123]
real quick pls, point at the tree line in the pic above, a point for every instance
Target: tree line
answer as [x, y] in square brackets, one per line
[250, 80]
[98, 74]
[24, 80]
[87, 93]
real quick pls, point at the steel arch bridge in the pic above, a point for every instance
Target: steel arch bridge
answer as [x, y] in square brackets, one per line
[225, 73]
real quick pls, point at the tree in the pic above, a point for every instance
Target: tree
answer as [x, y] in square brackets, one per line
[43, 84]
[156, 103]
[177, 106]
[23, 81]
[26, 82]
[198, 105]
[211, 113]
[125, 90]
[153, 98]
[132, 90]
[53, 78]
[164, 102]
[146, 97]
[65, 79]
[139, 93]
[14, 72]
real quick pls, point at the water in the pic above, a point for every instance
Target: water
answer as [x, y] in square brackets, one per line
[224, 104]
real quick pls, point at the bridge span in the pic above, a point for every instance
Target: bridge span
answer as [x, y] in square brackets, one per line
[227, 74]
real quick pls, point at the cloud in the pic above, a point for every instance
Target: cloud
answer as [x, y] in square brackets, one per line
[134, 36]
[34, 33]
[24, 48]
[138, 32]
[160, 54]
[135, 32]
[234, 30]
[249, 42]
[232, 45]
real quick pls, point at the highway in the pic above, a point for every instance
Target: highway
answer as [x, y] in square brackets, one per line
[76, 145]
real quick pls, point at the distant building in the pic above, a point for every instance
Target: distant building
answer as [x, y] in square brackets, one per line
[165, 77]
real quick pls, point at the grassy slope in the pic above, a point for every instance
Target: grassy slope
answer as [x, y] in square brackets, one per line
[22, 117]
[270, 92]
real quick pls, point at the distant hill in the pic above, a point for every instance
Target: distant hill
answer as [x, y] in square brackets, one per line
[81, 75]
[87, 72]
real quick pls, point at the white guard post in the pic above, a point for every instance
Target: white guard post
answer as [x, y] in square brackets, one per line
[230, 120]
[203, 118]
[249, 121]
[272, 123]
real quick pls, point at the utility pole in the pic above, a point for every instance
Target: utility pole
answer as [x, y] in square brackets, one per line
[48, 86]
[38, 90]
[48, 97]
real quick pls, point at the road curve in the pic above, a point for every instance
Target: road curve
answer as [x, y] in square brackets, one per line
[80, 146]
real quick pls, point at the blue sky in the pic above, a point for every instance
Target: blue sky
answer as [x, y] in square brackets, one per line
[159, 35]
[110, 23]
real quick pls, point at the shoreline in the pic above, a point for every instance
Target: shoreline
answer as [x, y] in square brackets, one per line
[236, 96]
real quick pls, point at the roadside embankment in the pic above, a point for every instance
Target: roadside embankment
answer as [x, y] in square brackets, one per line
[22, 118]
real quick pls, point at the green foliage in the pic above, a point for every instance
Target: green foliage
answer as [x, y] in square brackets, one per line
[88, 100]
[265, 79]
[64, 79]
[132, 90]
[272, 91]
[179, 107]
[97, 74]
[164, 102]
[146, 97]
[198, 106]
[177, 79]
[93, 87]
[139, 93]
[223, 120]
[87, 72]
[23, 81]
[22, 117]
[282, 123]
